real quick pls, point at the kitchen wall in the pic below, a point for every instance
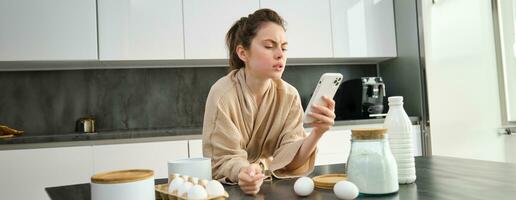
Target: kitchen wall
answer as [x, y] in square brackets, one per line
[464, 100]
[50, 102]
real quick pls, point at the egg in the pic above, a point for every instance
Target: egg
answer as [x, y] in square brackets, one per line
[304, 186]
[197, 192]
[174, 185]
[214, 188]
[203, 182]
[345, 190]
[194, 180]
[183, 189]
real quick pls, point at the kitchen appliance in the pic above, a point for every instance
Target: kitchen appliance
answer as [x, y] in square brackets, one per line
[360, 98]
[86, 125]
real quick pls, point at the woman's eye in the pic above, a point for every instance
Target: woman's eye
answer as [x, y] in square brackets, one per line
[284, 49]
[268, 47]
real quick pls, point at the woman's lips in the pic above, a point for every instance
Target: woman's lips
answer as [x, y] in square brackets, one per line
[278, 67]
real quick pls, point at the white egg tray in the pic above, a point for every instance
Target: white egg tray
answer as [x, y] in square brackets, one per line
[163, 194]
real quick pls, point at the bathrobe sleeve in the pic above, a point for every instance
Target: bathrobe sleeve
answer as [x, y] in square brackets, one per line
[291, 138]
[222, 142]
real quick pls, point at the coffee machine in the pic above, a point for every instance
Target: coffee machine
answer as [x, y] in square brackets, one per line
[360, 98]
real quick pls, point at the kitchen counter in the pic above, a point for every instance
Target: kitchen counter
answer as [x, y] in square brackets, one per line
[147, 135]
[437, 178]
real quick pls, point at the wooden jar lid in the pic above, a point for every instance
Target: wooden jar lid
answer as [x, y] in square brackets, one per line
[122, 176]
[368, 133]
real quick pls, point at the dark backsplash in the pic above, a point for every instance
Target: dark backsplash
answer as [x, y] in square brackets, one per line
[50, 102]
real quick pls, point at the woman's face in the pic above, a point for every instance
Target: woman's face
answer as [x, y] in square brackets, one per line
[266, 57]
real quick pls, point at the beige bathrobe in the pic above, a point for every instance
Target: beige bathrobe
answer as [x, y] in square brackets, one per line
[237, 132]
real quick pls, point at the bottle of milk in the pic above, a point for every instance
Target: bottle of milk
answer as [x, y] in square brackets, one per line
[399, 132]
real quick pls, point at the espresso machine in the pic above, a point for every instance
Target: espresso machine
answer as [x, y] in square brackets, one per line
[360, 98]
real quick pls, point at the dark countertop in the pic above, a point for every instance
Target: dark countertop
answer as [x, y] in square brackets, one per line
[437, 178]
[147, 133]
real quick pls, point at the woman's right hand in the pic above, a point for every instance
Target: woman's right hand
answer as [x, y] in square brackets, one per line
[250, 179]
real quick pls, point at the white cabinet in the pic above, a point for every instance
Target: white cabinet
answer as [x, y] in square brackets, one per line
[48, 30]
[207, 22]
[308, 25]
[140, 30]
[334, 146]
[363, 28]
[24, 174]
[195, 148]
[151, 155]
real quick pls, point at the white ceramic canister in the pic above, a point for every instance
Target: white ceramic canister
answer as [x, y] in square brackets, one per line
[134, 184]
[371, 165]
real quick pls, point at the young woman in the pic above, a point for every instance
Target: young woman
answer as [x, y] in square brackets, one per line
[253, 119]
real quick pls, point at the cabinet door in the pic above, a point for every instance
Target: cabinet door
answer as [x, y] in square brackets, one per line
[195, 148]
[151, 155]
[308, 26]
[206, 25]
[333, 147]
[24, 174]
[48, 30]
[363, 28]
[140, 29]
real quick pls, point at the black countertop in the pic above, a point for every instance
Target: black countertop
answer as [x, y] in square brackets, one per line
[146, 133]
[437, 178]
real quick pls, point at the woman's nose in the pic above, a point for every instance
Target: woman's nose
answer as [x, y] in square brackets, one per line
[279, 54]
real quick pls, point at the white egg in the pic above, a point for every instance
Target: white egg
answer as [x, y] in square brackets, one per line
[195, 180]
[203, 182]
[174, 185]
[214, 188]
[197, 192]
[304, 186]
[345, 190]
[183, 189]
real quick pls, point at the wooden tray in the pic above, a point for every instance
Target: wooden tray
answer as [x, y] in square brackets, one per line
[327, 181]
[162, 194]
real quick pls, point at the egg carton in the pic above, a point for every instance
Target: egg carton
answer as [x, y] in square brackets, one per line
[163, 194]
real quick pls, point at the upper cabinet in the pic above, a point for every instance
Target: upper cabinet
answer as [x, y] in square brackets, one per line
[206, 25]
[308, 24]
[140, 30]
[48, 30]
[189, 30]
[363, 28]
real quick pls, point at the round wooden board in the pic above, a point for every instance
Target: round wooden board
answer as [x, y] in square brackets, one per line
[327, 181]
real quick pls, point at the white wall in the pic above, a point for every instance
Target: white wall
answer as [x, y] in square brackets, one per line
[462, 80]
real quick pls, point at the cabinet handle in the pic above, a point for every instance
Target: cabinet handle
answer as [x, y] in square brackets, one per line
[507, 131]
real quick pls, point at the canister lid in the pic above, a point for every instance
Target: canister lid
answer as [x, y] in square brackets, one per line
[368, 133]
[122, 176]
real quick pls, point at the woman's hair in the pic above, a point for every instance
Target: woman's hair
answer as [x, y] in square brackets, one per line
[244, 30]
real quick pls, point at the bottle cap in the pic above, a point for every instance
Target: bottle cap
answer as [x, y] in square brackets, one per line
[396, 99]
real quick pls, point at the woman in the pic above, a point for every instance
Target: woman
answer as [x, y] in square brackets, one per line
[253, 119]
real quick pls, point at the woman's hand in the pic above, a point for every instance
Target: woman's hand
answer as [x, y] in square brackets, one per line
[324, 116]
[250, 179]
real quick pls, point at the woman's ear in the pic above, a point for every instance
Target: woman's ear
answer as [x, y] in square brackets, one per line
[242, 53]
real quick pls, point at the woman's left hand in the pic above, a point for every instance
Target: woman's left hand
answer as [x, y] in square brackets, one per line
[324, 116]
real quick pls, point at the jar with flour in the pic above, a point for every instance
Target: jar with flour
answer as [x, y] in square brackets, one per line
[371, 165]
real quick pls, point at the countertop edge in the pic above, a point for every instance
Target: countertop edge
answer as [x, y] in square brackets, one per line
[132, 136]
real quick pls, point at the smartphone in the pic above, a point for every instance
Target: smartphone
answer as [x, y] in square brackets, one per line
[327, 86]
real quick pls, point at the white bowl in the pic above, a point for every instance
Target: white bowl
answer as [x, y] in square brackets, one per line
[193, 167]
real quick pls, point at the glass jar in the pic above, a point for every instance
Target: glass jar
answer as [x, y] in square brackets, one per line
[371, 165]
